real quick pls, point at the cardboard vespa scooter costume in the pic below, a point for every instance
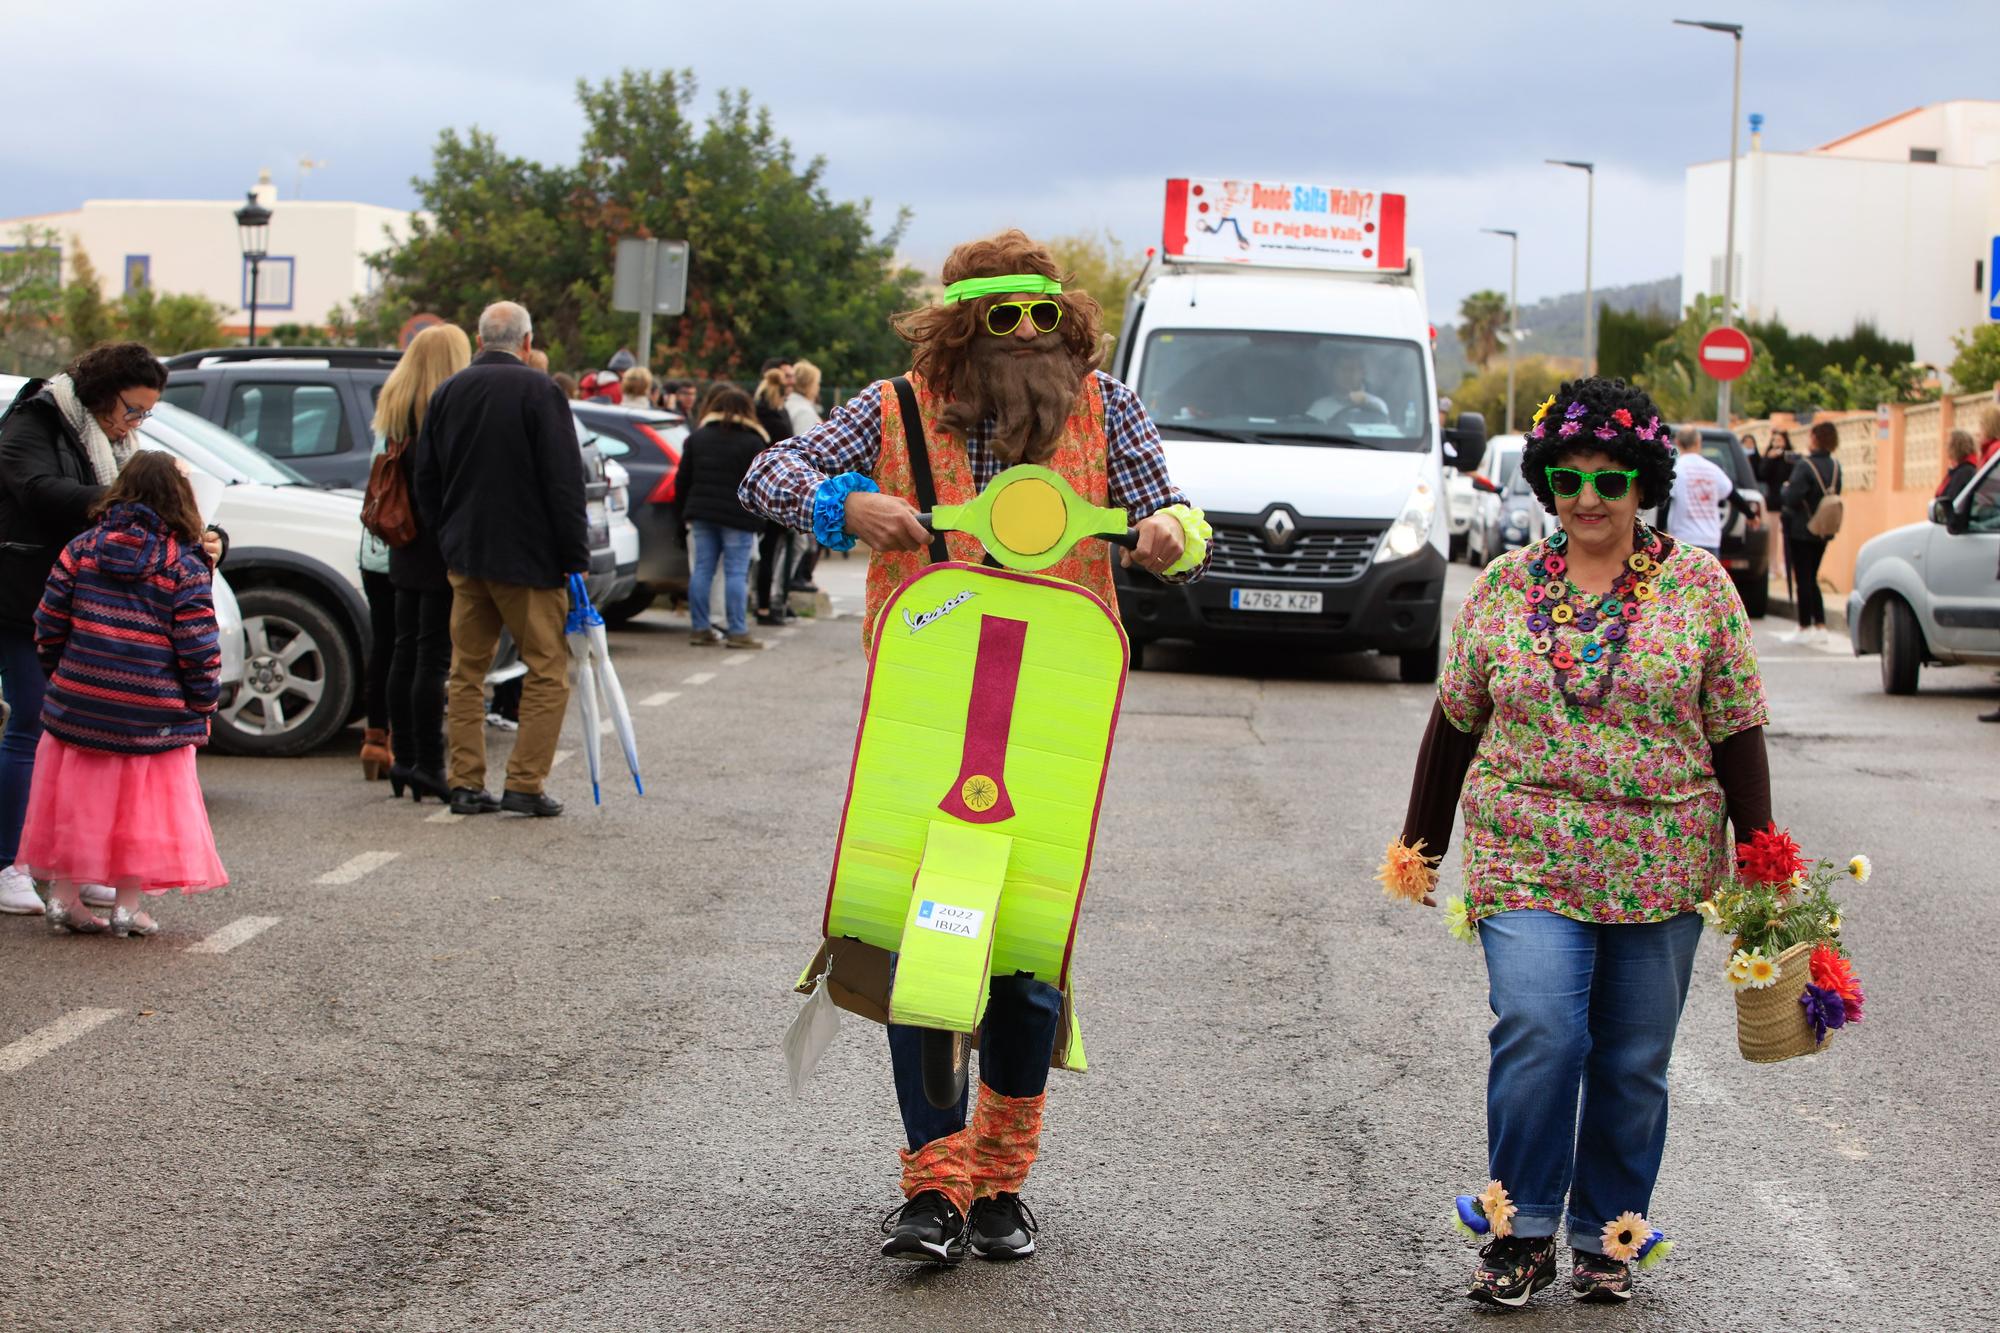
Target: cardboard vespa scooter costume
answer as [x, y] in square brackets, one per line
[979, 768]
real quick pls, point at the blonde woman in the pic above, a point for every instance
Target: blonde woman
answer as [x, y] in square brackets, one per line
[637, 386]
[803, 405]
[775, 548]
[421, 657]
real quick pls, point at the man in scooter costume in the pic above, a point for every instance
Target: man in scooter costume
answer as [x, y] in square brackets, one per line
[1003, 373]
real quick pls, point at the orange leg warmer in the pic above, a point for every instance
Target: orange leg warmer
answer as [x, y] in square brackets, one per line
[1006, 1135]
[940, 1165]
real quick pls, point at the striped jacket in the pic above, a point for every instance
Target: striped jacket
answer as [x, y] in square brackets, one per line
[126, 631]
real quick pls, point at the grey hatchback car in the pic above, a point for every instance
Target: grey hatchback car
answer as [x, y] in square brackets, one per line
[311, 408]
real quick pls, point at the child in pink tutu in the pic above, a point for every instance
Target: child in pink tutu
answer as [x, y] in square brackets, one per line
[126, 631]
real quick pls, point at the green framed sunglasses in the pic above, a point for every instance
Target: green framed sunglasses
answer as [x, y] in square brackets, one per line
[1611, 484]
[1003, 317]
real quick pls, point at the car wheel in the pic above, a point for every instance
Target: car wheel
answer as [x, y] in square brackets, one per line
[1138, 652]
[1756, 597]
[622, 610]
[1902, 648]
[1459, 545]
[299, 677]
[1420, 667]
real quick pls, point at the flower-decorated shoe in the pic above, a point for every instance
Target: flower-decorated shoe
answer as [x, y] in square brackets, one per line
[1599, 1278]
[1512, 1269]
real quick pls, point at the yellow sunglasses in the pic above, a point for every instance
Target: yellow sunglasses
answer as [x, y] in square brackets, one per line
[1003, 317]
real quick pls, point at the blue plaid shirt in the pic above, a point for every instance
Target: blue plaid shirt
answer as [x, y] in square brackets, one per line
[781, 482]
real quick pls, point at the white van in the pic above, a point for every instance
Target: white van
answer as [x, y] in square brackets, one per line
[1295, 391]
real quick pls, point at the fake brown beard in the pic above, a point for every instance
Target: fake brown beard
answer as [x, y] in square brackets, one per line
[1029, 395]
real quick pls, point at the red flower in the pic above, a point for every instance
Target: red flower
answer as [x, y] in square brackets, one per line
[1623, 418]
[1770, 857]
[1832, 972]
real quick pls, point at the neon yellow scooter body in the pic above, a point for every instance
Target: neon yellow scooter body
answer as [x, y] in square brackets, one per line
[992, 700]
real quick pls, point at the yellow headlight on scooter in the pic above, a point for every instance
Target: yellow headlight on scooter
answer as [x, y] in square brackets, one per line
[1029, 516]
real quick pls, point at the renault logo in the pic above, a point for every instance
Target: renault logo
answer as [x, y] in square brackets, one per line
[1279, 528]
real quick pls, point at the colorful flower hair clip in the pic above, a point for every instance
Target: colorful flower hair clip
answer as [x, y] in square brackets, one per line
[1543, 410]
[1606, 432]
[1538, 432]
[1575, 412]
[1623, 418]
[1569, 428]
[1648, 431]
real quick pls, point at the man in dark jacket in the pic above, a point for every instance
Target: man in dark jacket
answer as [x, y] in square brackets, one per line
[499, 478]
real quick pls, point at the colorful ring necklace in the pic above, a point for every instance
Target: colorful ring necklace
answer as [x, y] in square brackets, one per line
[1574, 629]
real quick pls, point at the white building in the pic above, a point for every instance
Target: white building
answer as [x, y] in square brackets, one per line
[317, 251]
[1893, 224]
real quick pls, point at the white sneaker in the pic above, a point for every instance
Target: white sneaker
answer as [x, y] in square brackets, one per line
[99, 895]
[1794, 636]
[17, 893]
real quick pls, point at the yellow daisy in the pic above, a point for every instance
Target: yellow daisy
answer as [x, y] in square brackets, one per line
[1458, 919]
[1623, 1235]
[1760, 971]
[1709, 915]
[1860, 868]
[1739, 967]
[1498, 1209]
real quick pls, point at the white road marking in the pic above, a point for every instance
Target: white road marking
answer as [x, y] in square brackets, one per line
[702, 677]
[443, 817]
[788, 631]
[18, 1055]
[1802, 1223]
[239, 931]
[736, 661]
[1824, 660]
[560, 755]
[663, 697]
[356, 867]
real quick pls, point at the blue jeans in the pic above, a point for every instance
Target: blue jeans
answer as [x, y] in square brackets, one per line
[732, 546]
[1590, 1009]
[1016, 1043]
[23, 685]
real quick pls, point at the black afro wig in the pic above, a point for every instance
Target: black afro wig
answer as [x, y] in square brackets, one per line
[1600, 415]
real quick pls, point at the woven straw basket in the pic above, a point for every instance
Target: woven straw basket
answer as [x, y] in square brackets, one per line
[1771, 1023]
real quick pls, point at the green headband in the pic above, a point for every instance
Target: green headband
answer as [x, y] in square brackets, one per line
[971, 289]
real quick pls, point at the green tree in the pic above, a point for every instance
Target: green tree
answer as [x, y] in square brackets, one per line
[170, 323]
[1976, 368]
[31, 341]
[1483, 316]
[88, 319]
[1535, 378]
[1099, 265]
[1624, 337]
[776, 265]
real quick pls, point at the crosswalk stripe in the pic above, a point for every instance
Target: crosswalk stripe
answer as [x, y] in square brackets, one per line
[18, 1055]
[240, 931]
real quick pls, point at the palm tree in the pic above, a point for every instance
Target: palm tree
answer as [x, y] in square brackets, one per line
[1485, 315]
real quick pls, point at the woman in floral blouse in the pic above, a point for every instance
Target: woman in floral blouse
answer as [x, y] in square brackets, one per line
[1601, 712]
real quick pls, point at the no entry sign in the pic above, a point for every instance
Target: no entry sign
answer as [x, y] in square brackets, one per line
[1724, 353]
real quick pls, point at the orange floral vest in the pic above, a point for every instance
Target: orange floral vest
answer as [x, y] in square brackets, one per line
[1080, 458]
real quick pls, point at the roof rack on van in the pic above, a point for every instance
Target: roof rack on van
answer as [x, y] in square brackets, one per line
[344, 357]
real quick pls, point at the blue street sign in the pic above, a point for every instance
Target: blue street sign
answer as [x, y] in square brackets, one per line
[1993, 282]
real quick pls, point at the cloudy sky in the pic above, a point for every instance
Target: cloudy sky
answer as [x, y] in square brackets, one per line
[1057, 116]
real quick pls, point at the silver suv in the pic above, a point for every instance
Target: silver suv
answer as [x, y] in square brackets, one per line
[1930, 592]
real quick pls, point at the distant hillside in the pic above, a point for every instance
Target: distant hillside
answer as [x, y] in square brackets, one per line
[1555, 323]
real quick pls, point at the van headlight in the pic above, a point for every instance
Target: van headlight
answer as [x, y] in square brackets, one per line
[1409, 533]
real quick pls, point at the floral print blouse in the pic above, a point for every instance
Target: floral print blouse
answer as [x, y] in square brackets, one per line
[1604, 813]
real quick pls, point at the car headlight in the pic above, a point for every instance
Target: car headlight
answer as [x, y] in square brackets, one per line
[1408, 534]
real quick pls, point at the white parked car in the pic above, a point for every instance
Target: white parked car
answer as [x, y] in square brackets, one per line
[1930, 592]
[1461, 502]
[624, 532]
[1485, 539]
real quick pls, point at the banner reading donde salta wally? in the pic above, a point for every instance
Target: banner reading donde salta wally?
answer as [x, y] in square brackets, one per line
[1275, 223]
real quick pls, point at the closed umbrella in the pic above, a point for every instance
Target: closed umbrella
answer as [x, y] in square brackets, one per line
[577, 628]
[614, 697]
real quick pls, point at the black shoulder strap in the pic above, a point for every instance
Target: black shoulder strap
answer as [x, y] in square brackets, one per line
[920, 461]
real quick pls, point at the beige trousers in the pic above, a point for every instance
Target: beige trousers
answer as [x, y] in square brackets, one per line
[535, 616]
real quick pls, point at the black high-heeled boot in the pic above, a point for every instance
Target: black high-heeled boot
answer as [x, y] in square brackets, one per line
[399, 778]
[424, 782]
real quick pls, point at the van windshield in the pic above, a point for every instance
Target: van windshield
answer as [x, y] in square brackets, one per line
[1289, 388]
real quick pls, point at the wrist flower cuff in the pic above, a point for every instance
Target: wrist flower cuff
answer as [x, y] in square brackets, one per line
[1194, 526]
[829, 509]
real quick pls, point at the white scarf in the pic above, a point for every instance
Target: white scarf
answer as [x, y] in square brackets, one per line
[106, 454]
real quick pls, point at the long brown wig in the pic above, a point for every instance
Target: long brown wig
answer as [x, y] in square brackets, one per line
[940, 335]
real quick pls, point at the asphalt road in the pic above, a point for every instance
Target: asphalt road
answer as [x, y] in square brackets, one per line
[516, 1074]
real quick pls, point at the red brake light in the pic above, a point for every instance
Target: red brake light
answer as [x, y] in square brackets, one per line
[664, 492]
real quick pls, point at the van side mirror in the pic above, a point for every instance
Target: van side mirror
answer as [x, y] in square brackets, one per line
[1483, 486]
[1468, 441]
[1941, 513]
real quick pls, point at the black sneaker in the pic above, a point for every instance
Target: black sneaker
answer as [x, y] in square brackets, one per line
[770, 618]
[1599, 1278]
[927, 1229]
[536, 803]
[473, 801]
[1001, 1228]
[1512, 1270]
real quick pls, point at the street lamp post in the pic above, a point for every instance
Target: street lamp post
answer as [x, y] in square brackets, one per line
[1589, 169]
[1735, 32]
[253, 232]
[1513, 311]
